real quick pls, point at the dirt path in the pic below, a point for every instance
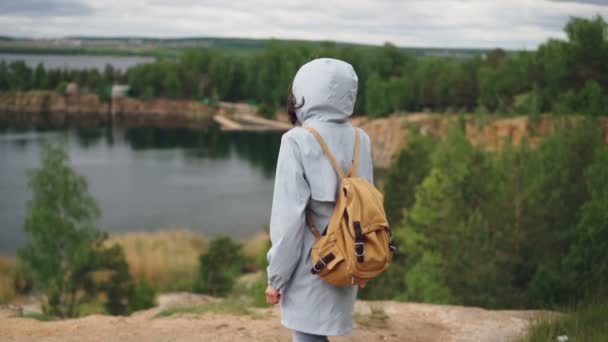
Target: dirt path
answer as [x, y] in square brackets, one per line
[398, 322]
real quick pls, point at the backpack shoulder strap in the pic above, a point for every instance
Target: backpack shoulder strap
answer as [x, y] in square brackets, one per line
[330, 156]
[352, 172]
[353, 168]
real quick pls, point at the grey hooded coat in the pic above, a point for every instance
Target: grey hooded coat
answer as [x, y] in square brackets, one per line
[305, 179]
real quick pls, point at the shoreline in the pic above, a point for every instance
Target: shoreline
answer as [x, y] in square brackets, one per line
[49, 108]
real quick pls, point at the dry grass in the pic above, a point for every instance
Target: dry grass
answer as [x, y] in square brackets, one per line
[376, 318]
[255, 246]
[8, 267]
[167, 259]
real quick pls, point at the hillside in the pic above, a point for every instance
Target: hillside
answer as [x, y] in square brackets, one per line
[169, 46]
[375, 321]
[389, 135]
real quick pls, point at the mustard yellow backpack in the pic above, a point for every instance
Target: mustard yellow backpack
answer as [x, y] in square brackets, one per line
[357, 245]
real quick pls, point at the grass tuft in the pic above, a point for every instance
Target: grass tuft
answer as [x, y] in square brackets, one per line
[228, 306]
[377, 318]
[37, 316]
[8, 269]
[587, 323]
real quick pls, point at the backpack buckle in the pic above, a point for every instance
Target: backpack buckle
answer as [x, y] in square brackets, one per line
[319, 266]
[393, 248]
[359, 251]
[322, 263]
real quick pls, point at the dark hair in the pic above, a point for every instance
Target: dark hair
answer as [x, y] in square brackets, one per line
[292, 105]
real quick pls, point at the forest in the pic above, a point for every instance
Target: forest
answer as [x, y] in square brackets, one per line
[521, 227]
[561, 77]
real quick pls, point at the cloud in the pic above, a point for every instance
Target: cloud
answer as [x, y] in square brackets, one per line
[589, 2]
[442, 23]
[44, 8]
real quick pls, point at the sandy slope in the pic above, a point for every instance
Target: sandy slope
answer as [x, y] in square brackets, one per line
[405, 322]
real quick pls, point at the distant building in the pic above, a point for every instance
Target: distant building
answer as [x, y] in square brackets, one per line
[120, 90]
[72, 89]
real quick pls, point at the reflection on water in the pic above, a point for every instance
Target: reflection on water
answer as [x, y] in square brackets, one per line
[146, 179]
[260, 149]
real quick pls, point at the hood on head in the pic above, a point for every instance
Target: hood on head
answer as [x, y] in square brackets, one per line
[329, 89]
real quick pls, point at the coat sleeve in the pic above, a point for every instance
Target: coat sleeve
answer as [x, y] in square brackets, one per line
[287, 219]
[370, 157]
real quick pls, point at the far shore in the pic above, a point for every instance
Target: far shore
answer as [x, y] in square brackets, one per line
[49, 108]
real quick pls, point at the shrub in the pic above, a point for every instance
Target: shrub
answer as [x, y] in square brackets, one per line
[61, 88]
[219, 267]
[256, 290]
[266, 110]
[143, 296]
[7, 279]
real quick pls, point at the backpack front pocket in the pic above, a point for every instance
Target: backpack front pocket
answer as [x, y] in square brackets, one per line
[325, 256]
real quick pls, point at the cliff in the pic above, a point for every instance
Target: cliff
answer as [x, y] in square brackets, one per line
[44, 108]
[390, 135]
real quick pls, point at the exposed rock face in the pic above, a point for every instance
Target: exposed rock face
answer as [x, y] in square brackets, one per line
[160, 112]
[42, 108]
[389, 135]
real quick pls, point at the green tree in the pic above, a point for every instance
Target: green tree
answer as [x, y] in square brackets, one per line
[587, 259]
[21, 76]
[376, 97]
[66, 249]
[425, 281]
[435, 221]
[40, 79]
[405, 175]
[400, 92]
[589, 49]
[4, 81]
[593, 100]
[219, 267]
[449, 232]
[171, 85]
[555, 196]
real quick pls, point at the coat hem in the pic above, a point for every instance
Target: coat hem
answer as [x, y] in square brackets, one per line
[316, 332]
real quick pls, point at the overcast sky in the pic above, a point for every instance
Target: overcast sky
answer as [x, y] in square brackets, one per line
[512, 24]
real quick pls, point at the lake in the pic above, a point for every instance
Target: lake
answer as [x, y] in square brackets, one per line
[205, 180]
[50, 61]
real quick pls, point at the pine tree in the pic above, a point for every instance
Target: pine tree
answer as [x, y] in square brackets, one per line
[588, 261]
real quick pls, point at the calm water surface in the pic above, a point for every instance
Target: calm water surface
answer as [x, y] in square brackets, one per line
[75, 61]
[149, 179]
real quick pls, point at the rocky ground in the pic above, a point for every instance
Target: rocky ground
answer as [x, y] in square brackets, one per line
[375, 321]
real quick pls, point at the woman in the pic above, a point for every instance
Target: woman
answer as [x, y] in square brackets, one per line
[323, 97]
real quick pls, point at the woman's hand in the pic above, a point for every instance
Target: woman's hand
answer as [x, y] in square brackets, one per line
[273, 296]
